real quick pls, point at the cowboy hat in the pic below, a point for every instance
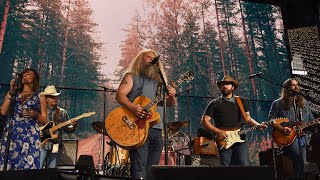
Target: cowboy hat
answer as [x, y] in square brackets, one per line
[228, 79]
[50, 90]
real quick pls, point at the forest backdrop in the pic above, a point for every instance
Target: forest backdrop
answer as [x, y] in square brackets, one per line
[212, 38]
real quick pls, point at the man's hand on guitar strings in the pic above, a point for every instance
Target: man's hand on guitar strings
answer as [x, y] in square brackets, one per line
[139, 111]
[286, 130]
[263, 126]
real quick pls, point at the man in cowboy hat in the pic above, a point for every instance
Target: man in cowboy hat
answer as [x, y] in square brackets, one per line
[50, 153]
[227, 114]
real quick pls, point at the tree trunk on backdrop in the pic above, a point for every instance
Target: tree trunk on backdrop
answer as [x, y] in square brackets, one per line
[4, 23]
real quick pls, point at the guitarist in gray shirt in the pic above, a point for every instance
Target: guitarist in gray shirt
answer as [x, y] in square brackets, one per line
[50, 153]
[143, 80]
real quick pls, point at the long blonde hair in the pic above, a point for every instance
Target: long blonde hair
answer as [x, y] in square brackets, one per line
[137, 67]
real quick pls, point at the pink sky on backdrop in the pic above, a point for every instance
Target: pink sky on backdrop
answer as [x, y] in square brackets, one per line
[112, 16]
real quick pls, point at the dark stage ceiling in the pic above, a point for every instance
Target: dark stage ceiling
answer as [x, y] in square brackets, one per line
[296, 13]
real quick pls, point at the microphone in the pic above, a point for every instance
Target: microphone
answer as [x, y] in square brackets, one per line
[189, 88]
[155, 60]
[17, 82]
[254, 75]
[306, 90]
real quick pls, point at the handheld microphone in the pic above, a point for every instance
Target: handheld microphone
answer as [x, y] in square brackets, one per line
[17, 82]
[254, 75]
[155, 60]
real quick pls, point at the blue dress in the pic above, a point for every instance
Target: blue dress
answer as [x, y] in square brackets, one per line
[24, 151]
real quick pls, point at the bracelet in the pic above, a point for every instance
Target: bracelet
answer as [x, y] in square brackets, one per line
[11, 94]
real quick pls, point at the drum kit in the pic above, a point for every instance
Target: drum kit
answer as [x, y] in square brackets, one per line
[178, 140]
[117, 161]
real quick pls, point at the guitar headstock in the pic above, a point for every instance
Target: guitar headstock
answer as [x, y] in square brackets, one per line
[280, 120]
[88, 114]
[188, 76]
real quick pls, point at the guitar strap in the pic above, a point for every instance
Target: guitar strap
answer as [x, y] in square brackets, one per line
[57, 117]
[238, 99]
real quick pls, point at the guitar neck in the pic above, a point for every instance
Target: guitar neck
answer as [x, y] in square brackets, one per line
[54, 128]
[307, 124]
[60, 125]
[244, 131]
[159, 98]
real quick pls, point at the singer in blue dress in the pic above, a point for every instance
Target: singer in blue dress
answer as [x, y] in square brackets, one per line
[28, 109]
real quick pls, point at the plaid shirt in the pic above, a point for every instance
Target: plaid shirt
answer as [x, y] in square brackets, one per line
[63, 116]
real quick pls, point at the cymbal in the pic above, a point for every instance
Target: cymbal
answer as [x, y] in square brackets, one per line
[177, 125]
[99, 127]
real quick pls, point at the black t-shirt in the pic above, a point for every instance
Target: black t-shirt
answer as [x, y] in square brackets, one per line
[226, 114]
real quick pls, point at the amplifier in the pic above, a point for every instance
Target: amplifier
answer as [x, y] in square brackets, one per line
[206, 146]
[69, 152]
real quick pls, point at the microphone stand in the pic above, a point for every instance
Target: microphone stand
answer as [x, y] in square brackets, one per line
[190, 129]
[10, 121]
[188, 109]
[103, 129]
[295, 117]
[164, 94]
[105, 89]
[298, 132]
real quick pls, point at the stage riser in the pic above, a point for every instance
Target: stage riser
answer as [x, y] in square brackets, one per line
[227, 173]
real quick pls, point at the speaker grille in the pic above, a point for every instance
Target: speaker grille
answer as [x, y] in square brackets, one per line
[69, 152]
[202, 160]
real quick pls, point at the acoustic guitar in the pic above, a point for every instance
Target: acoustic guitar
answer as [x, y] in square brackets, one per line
[129, 131]
[49, 130]
[285, 140]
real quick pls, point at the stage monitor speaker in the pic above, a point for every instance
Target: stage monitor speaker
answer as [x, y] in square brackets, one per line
[71, 175]
[283, 163]
[202, 160]
[69, 152]
[85, 165]
[32, 174]
[227, 173]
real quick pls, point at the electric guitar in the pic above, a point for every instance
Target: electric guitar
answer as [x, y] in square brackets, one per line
[233, 136]
[285, 140]
[129, 131]
[49, 130]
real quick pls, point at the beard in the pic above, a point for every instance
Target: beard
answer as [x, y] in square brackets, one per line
[226, 92]
[150, 71]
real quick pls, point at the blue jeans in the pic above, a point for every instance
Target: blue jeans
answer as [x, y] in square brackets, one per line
[294, 154]
[237, 154]
[148, 154]
[50, 159]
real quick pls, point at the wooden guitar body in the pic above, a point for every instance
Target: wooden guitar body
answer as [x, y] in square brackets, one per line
[281, 139]
[127, 130]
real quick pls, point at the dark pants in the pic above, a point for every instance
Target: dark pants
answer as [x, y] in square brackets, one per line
[237, 154]
[148, 154]
[298, 163]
